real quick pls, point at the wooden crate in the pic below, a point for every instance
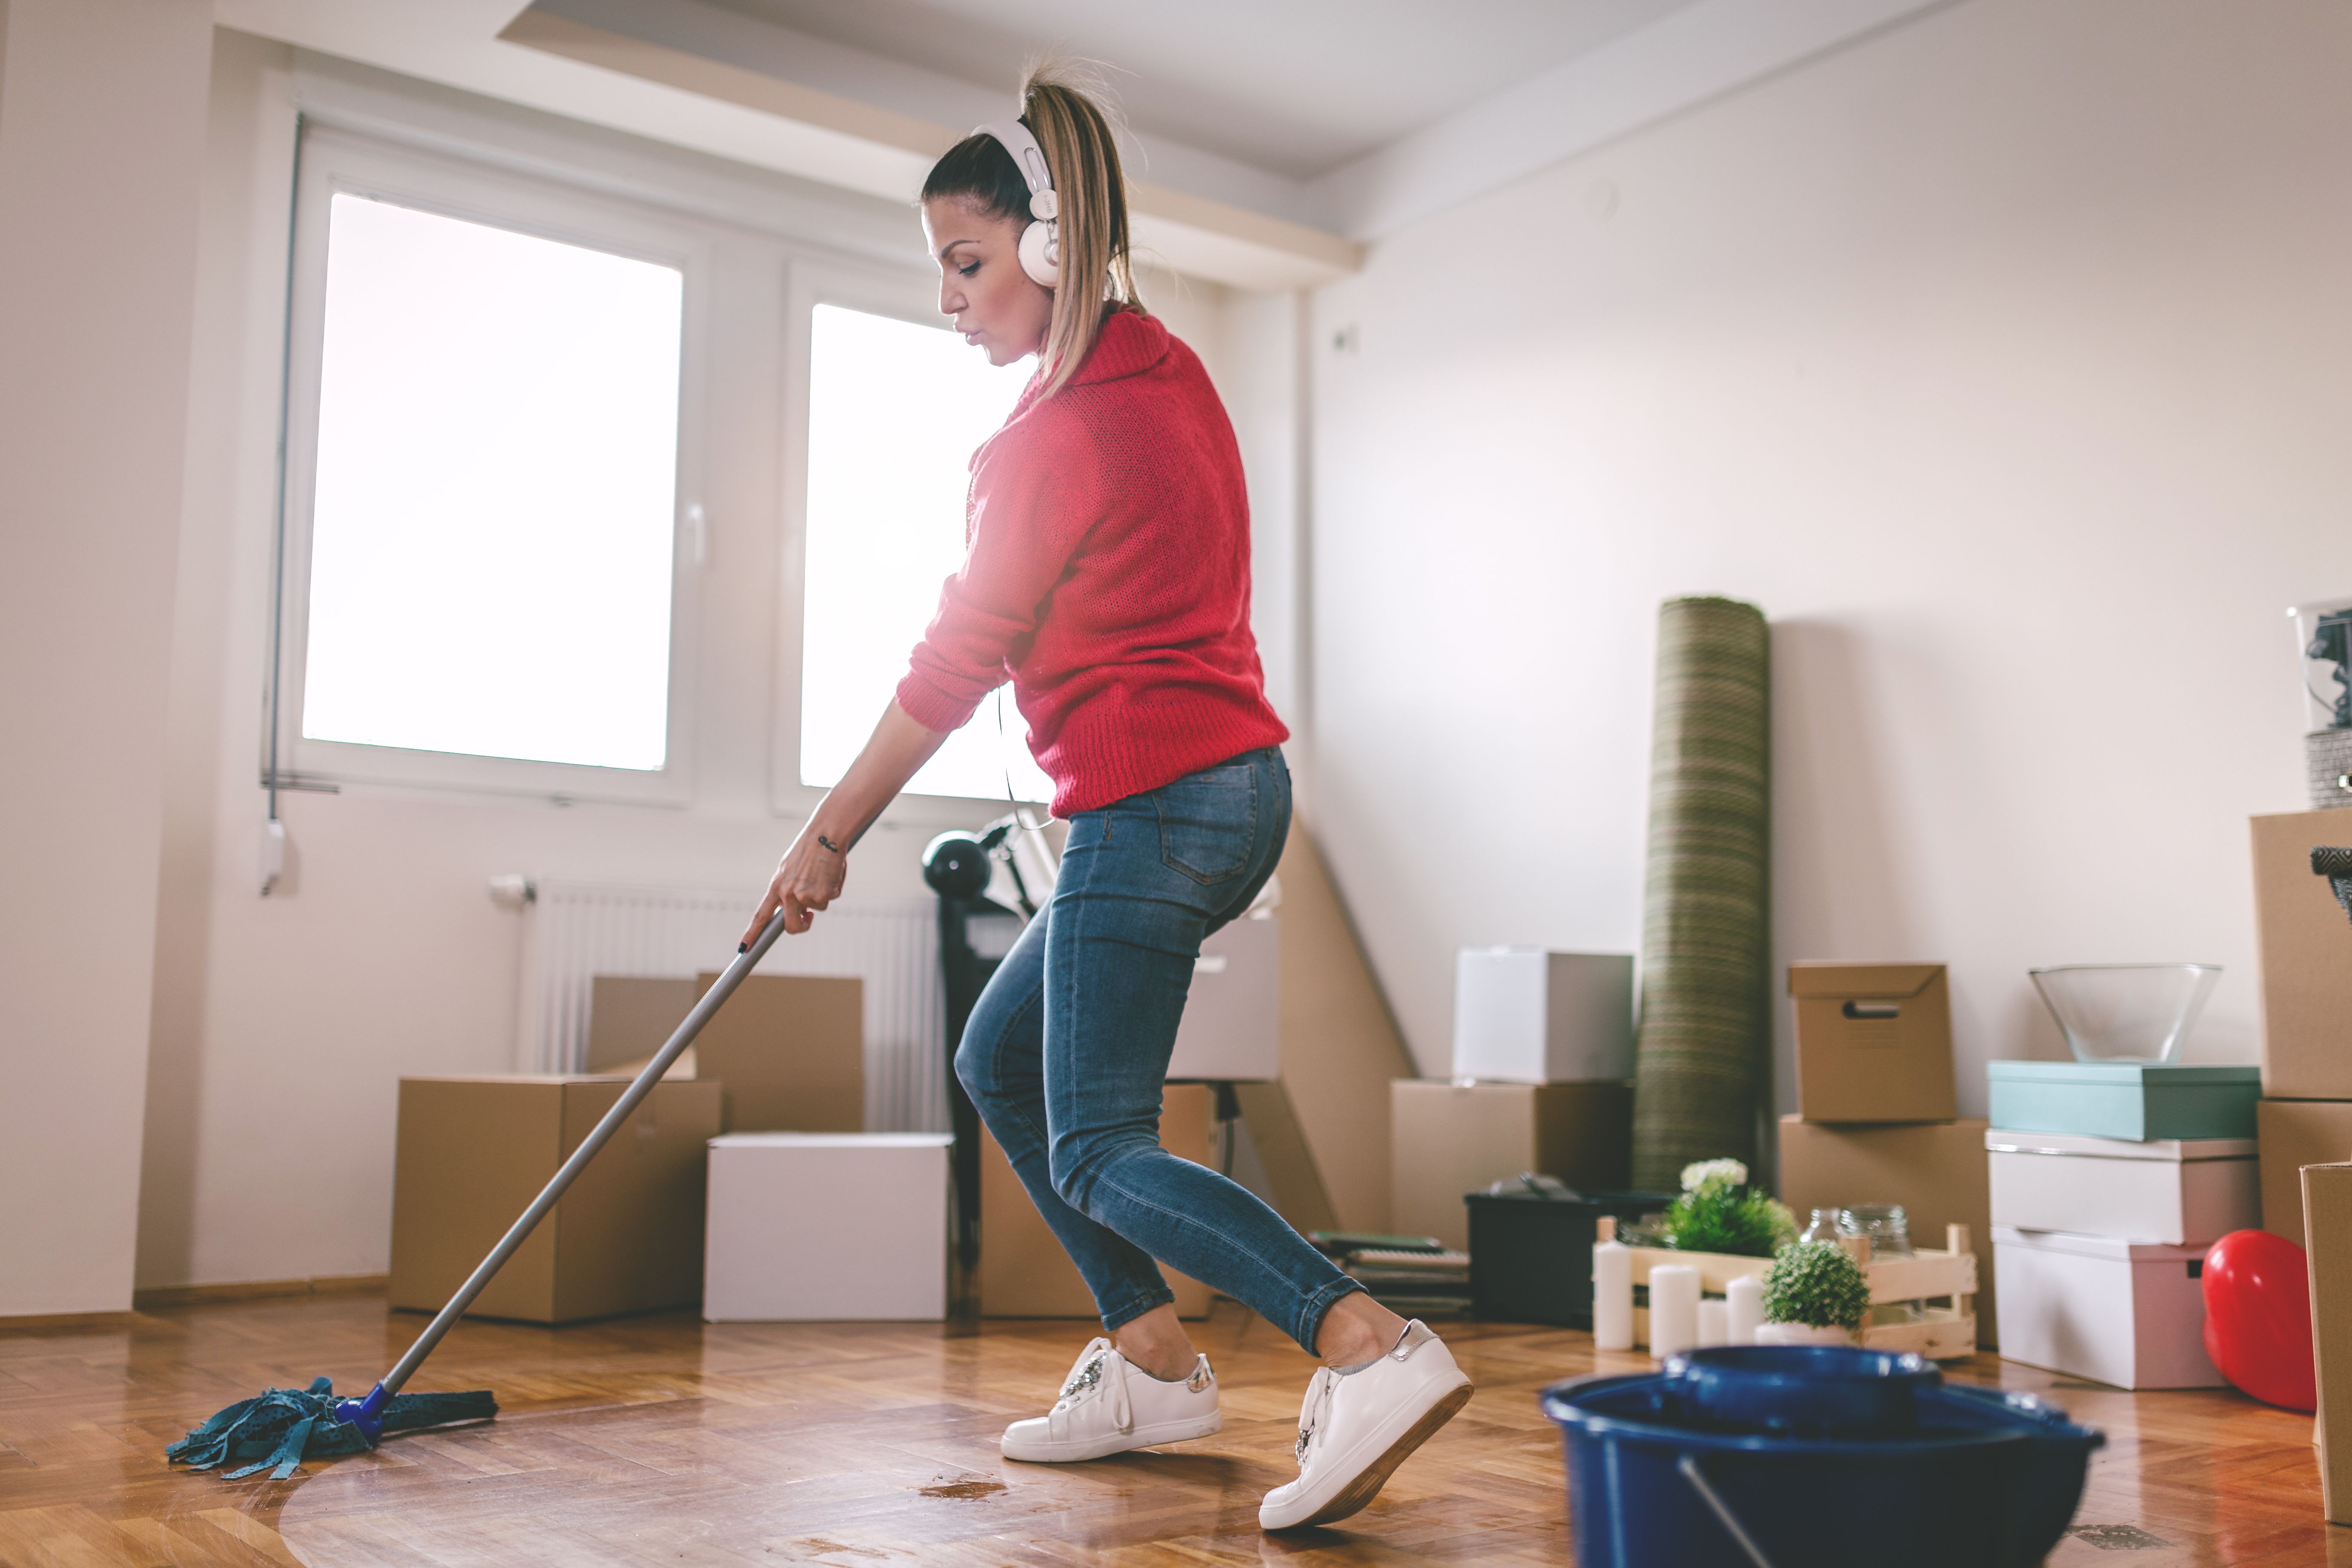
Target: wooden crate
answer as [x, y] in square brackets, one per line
[1949, 1276]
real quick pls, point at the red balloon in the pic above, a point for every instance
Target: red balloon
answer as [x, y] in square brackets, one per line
[2258, 1317]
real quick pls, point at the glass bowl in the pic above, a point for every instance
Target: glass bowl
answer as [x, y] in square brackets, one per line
[2125, 1012]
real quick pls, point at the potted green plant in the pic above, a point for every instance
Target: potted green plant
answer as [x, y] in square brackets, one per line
[1719, 1212]
[1814, 1294]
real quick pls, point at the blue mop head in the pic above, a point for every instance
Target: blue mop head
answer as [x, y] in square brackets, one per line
[286, 1426]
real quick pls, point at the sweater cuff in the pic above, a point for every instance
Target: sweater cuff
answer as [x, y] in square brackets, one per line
[931, 707]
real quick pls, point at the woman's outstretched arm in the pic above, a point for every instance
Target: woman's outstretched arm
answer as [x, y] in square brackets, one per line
[810, 875]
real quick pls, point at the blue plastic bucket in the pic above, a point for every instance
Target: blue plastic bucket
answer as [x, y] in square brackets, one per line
[1978, 1478]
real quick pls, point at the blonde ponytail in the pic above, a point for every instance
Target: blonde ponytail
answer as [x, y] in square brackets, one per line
[1062, 104]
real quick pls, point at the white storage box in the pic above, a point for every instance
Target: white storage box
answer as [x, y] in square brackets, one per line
[2184, 1191]
[1232, 1025]
[826, 1227]
[1524, 1016]
[2130, 1313]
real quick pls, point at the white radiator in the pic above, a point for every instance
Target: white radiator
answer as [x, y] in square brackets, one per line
[574, 931]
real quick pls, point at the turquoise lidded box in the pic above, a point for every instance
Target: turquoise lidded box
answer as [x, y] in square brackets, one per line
[2136, 1101]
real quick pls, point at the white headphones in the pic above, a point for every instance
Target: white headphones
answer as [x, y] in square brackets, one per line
[1041, 242]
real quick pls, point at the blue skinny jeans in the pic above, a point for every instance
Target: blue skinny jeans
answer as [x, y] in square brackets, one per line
[1068, 1050]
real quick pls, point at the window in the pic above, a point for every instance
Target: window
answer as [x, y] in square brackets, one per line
[484, 488]
[895, 411]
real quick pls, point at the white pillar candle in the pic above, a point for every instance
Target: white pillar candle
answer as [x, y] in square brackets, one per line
[1613, 1296]
[1674, 1309]
[1744, 1304]
[1714, 1322]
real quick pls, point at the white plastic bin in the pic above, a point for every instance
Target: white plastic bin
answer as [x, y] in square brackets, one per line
[2129, 1313]
[826, 1227]
[2184, 1190]
[1522, 1015]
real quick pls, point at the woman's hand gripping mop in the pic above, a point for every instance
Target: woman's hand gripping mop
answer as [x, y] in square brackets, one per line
[283, 1426]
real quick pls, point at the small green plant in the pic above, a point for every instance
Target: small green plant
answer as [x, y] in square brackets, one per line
[1718, 1212]
[1816, 1283]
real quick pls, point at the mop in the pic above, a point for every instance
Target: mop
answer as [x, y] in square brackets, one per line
[281, 1427]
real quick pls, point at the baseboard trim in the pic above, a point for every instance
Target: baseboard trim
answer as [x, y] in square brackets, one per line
[167, 1296]
[34, 1323]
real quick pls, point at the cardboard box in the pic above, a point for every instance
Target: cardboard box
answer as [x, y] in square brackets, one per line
[1232, 1031]
[2307, 947]
[1451, 1138]
[471, 1155]
[1935, 1169]
[632, 1016]
[1873, 1042]
[790, 1052]
[2181, 1190]
[827, 1228]
[1024, 1273]
[1524, 1016]
[2327, 1212]
[2295, 1133]
[2127, 1313]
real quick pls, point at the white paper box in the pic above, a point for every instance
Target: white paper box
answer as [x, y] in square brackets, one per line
[1233, 1016]
[826, 1227]
[1522, 1015]
[2184, 1191]
[2128, 1313]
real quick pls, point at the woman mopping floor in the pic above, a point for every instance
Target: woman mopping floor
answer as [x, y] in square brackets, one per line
[1107, 574]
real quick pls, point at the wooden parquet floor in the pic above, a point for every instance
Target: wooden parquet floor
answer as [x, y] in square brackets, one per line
[665, 1441]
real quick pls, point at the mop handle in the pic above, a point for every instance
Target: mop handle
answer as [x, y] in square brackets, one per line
[711, 1001]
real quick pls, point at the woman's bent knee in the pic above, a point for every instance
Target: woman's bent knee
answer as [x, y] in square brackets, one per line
[1078, 1164]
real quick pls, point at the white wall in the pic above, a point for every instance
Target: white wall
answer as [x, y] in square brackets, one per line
[282, 1025]
[2002, 360]
[102, 119]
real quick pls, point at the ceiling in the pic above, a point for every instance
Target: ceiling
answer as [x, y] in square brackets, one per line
[1295, 87]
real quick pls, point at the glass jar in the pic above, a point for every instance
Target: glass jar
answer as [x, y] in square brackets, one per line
[1889, 1230]
[1827, 1225]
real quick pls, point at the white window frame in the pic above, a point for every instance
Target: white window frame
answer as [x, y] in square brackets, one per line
[910, 296]
[333, 162]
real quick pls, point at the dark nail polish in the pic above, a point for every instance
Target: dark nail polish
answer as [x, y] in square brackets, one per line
[742, 947]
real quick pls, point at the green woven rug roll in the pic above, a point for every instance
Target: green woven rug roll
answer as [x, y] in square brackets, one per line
[1704, 1040]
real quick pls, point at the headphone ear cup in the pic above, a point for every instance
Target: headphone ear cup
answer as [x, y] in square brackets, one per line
[1041, 254]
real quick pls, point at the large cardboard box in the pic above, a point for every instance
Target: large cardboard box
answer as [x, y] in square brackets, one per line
[1231, 1029]
[1451, 1138]
[631, 1016]
[472, 1152]
[2295, 1133]
[1024, 1273]
[790, 1050]
[1522, 1015]
[2306, 946]
[1873, 1042]
[827, 1228]
[1937, 1171]
[2327, 1212]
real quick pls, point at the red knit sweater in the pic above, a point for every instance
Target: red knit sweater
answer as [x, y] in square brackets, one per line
[1107, 574]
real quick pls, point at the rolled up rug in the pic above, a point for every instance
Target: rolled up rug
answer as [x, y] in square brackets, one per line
[1698, 1061]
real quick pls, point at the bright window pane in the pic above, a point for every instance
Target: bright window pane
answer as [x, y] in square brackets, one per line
[895, 410]
[497, 480]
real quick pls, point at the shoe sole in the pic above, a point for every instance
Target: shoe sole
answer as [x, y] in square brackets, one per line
[1367, 1483]
[1172, 1432]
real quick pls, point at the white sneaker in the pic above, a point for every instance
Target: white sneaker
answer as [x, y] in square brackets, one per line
[1355, 1430]
[1108, 1406]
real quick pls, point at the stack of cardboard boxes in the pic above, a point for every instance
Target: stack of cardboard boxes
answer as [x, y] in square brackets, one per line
[2306, 1116]
[1543, 1063]
[1877, 1115]
[786, 1053]
[2109, 1181]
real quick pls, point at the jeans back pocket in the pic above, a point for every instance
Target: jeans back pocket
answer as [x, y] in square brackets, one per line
[1208, 822]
